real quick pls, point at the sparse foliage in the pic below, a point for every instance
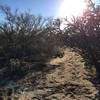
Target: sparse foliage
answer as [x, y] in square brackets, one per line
[84, 33]
[28, 37]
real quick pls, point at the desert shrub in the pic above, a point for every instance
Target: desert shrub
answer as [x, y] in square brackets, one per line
[83, 32]
[28, 37]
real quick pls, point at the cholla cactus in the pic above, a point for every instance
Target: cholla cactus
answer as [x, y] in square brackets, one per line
[14, 65]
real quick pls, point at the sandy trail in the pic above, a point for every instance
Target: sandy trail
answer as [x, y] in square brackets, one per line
[68, 81]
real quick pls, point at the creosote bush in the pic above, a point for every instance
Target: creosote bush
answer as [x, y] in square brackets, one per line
[25, 37]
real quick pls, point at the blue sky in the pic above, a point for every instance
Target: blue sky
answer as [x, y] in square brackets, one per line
[42, 7]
